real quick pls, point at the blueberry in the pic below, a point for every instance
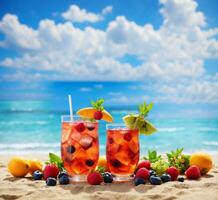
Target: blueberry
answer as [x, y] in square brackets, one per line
[51, 181]
[90, 127]
[71, 149]
[63, 173]
[37, 175]
[139, 181]
[165, 178]
[64, 180]
[116, 163]
[155, 180]
[89, 163]
[108, 173]
[152, 173]
[108, 178]
[181, 179]
[111, 141]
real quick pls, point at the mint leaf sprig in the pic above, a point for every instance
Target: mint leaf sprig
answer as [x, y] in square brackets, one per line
[178, 159]
[144, 109]
[152, 156]
[98, 104]
[56, 160]
[158, 163]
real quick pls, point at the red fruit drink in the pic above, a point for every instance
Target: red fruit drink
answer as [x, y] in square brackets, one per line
[79, 147]
[122, 151]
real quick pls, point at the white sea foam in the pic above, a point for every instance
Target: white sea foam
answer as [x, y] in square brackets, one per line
[21, 110]
[28, 146]
[29, 152]
[23, 123]
[122, 111]
[211, 143]
[178, 129]
[171, 129]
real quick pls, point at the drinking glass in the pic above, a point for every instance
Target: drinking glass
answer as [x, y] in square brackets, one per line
[122, 151]
[79, 147]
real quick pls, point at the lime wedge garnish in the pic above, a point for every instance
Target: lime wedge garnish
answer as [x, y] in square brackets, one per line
[138, 122]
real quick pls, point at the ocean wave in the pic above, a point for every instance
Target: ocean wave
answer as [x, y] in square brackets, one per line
[21, 110]
[122, 111]
[29, 146]
[29, 152]
[32, 111]
[172, 129]
[23, 122]
[45, 148]
[213, 143]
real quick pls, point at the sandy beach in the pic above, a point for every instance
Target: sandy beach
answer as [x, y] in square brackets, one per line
[25, 188]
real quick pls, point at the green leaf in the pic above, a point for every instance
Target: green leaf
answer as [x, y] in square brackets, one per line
[98, 104]
[144, 109]
[178, 159]
[56, 160]
[152, 156]
[150, 106]
[168, 155]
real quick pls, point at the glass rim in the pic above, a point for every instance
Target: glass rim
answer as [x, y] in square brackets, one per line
[114, 125]
[76, 118]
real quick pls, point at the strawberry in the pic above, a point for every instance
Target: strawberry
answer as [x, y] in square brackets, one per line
[142, 173]
[144, 163]
[173, 172]
[193, 172]
[80, 127]
[98, 115]
[94, 178]
[50, 170]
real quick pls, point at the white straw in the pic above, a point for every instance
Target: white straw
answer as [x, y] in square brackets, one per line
[71, 107]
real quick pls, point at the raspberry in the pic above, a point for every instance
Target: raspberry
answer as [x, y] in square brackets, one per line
[127, 136]
[94, 178]
[80, 127]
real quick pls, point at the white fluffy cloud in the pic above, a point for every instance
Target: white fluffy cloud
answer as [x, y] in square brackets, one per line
[17, 34]
[172, 56]
[76, 14]
[181, 15]
[191, 93]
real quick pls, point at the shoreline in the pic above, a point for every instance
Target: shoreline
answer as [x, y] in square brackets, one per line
[26, 188]
[43, 154]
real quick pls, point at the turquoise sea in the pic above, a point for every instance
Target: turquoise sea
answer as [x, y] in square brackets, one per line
[35, 127]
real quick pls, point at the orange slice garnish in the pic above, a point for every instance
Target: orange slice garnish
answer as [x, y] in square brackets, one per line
[89, 113]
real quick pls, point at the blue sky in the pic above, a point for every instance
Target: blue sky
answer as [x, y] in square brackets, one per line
[163, 51]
